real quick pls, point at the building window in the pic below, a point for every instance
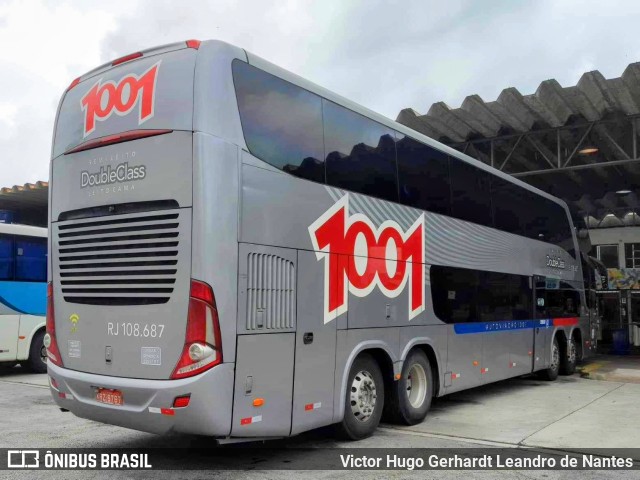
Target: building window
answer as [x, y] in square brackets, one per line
[608, 255]
[632, 255]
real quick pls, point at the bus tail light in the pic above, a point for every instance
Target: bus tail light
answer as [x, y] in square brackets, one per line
[50, 343]
[202, 345]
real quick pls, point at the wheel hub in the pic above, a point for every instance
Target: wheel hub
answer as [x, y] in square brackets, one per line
[572, 351]
[363, 396]
[555, 356]
[416, 385]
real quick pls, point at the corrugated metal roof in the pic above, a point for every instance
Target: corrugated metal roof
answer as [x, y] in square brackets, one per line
[29, 202]
[556, 121]
[31, 194]
[551, 106]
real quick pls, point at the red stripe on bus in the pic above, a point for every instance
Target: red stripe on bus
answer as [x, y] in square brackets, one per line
[565, 322]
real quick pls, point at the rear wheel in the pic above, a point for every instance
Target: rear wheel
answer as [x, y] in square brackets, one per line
[37, 361]
[364, 399]
[570, 359]
[551, 373]
[411, 395]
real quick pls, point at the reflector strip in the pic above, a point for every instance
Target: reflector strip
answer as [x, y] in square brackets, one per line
[484, 370]
[250, 420]
[455, 376]
[512, 364]
[154, 410]
[66, 396]
[167, 411]
[312, 406]
[565, 322]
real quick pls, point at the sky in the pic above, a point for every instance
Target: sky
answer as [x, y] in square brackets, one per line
[385, 55]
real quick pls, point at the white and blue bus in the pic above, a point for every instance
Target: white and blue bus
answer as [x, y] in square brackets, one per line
[23, 296]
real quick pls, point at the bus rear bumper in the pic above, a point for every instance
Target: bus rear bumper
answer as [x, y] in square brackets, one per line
[148, 404]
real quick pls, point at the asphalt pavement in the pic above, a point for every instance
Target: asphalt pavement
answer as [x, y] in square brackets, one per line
[570, 413]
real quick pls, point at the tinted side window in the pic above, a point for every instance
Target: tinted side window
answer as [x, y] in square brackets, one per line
[23, 258]
[511, 207]
[361, 153]
[470, 193]
[31, 259]
[7, 262]
[423, 176]
[558, 227]
[503, 296]
[462, 295]
[282, 123]
[454, 292]
[556, 299]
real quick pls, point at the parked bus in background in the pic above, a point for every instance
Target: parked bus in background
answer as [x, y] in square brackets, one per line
[23, 287]
[237, 252]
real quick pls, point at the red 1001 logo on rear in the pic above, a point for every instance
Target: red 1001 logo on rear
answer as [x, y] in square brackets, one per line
[358, 257]
[103, 99]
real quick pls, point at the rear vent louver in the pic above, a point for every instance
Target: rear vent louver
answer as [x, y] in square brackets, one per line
[119, 260]
[270, 292]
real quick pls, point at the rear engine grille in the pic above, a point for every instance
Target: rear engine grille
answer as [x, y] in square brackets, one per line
[119, 260]
[270, 292]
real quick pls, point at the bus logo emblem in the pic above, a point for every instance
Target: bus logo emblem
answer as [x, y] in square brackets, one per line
[358, 257]
[104, 98]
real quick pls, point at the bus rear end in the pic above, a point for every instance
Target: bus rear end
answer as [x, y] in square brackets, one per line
[133, 339]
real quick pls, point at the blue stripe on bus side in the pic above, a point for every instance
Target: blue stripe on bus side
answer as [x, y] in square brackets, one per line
[501, 326]
[25, 297]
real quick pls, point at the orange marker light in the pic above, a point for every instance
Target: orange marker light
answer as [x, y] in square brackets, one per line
[398, 376]
[475, 363]
[258, 402]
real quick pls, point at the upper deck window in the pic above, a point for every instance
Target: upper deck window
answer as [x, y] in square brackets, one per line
[423, 175]
[316, 139]
[282, 123]
[361, 153]
[470, 193]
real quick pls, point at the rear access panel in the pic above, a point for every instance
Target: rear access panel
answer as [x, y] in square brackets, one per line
[263, 385]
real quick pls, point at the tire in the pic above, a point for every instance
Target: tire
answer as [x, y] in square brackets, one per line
[365, 379]
[36, 363]
[410, 397]
[569, 361]
[551, 373]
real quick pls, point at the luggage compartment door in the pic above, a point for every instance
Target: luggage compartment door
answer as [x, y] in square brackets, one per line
[264, 374]
[315, 350]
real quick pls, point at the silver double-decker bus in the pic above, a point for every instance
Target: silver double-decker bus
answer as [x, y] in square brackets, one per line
[237, 252]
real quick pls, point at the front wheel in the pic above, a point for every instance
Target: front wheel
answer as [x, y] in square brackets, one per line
[37, 361]
[411, 395]
[568, 362]
[551, 373]
[364, 399]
